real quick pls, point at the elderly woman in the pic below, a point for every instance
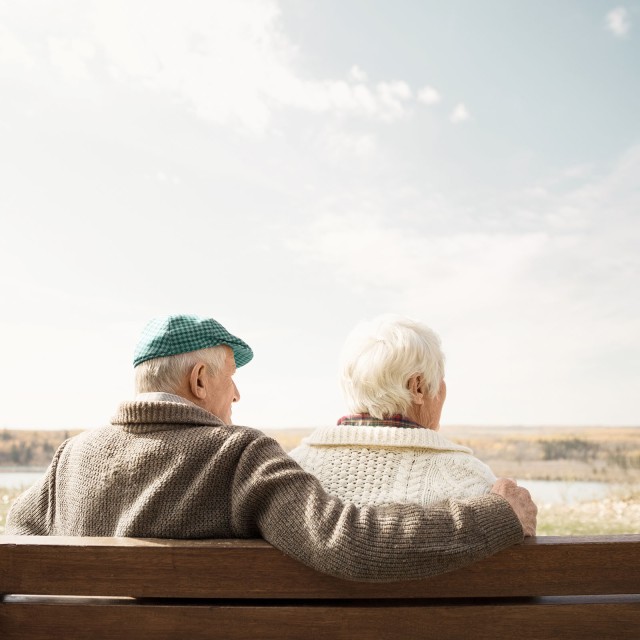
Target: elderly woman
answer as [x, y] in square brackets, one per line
[388, 448]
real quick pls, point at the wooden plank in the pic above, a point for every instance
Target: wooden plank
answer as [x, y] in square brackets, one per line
[546, 620]
[254, 569]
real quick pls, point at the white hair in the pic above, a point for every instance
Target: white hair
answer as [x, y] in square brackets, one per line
[379, 357]
[167, 373]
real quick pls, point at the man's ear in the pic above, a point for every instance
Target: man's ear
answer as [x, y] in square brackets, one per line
[416, 387]
[197, 380]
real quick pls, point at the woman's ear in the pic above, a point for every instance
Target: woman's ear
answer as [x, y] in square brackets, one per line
[197, 380]
[416, 386]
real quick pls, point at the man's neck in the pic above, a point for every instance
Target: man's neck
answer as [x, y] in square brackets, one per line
[162, 396]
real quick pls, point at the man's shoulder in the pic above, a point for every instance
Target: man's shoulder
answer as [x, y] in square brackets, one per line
[112, 431]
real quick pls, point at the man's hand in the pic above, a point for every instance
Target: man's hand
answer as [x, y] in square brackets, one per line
[520, 501]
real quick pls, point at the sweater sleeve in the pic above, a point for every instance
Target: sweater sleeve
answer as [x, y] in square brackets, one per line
[272, 496]
[32, 512]
[466, 476]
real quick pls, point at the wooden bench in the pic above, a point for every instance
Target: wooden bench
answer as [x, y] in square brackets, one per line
[118, 588]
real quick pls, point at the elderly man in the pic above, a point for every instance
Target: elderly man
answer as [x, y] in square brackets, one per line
[171, 465]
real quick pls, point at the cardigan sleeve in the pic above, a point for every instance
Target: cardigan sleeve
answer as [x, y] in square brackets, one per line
[463, 476]
[272, 496]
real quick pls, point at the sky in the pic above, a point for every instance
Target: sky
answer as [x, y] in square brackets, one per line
[293, 167]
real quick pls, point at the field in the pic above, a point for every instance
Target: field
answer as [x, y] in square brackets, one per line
[605, 517]
[556, 453]
[549, 453]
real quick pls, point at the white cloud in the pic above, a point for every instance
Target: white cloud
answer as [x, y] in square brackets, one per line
[230, 63]
[392, 96]
[13, 51]
[590, 230]
[70, 57]
[531, 290]
[454, 269]
[617, 21]
[357, 74]
[578, 171]
[429, 95]
[459, 114]
[341, 146]
[161, 176]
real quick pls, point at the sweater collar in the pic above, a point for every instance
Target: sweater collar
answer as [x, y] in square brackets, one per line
[145, 417]
[343, 434]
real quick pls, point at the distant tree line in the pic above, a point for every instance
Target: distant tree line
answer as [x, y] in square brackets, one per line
[20, 448]
[570, 449]
[606, 449]
[615, 454]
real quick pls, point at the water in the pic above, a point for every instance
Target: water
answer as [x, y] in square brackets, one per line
[563, 492]
[20, 479]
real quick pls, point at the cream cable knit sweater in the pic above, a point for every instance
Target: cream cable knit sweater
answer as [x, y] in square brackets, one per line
[170, 470]
[381, 465]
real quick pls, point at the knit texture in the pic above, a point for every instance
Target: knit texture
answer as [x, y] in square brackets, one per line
[381, 465]
[170, 470]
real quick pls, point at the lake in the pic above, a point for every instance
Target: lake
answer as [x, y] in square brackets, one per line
[542, 491]
[563, 492]
[19, 479]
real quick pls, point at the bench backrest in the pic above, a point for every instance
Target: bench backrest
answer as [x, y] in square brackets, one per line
[108, 588]
[160, 568]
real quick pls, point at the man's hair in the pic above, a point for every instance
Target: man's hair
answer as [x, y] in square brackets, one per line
[379, 357]
[167, 373]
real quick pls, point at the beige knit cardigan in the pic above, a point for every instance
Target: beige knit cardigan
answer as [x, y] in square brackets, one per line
[382, 464]
[170, 470]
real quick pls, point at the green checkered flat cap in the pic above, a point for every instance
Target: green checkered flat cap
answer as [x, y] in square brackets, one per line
[170, 335]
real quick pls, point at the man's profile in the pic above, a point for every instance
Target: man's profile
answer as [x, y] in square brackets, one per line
[170, 464]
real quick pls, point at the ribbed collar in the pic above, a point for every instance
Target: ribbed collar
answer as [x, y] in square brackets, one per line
[382, 437]
[145, 417]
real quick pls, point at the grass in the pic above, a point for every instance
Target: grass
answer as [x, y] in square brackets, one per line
[610, 516]
[7, 496]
